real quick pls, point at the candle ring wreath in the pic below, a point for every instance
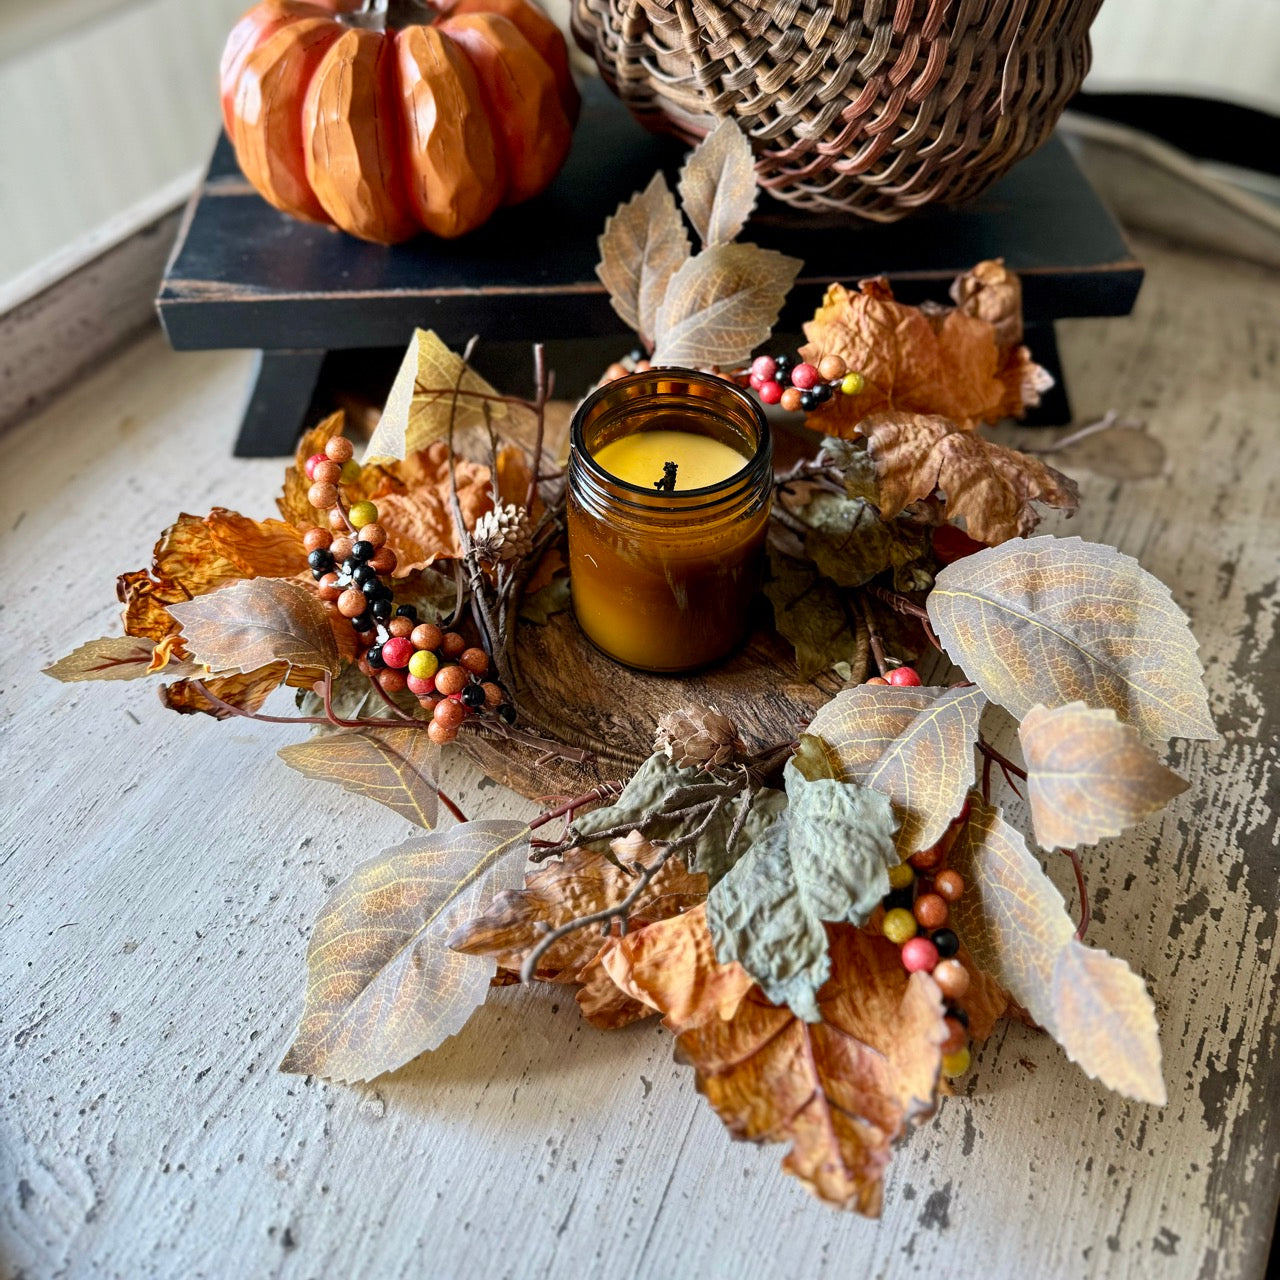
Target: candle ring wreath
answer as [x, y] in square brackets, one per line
[797, 858]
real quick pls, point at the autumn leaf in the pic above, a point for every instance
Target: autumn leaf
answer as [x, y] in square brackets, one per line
[382, 984]
[670, 966]
[850, 543]
[840, 1091]
[1015, 923]
[395, 767]
[644, 244]
[720, 305]
[255, 623]
[1058, 620]
[1088, 775]
[432, 388]
[581, 883]
[989, 487]
[922, 360]
[418, 513]
[915, 745]
[718, 184]
[111, 658]
[992, 293]
[658, 779]
[248, 691]
[826, 859]
[540, 606]
[810, 612]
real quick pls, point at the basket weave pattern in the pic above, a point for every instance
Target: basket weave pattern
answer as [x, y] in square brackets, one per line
[870, 106]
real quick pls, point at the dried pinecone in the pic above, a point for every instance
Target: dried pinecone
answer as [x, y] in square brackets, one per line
[698, 735]
[504, 534]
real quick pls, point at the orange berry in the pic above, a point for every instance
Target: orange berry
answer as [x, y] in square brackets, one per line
[400, 626]
[426, 636]
[392, 681]
[956, 1036]
[474, 660]
[950, 884]
[326, 473]
[830, 368]
[791, 399]
[926, 858]
[442, 734]
[322, 495]
[952, 978]
[877, 680]
[452, 680]
[614, 372]
[449, 713]
[337, 521]
[374, 534]
[493, 695]
[351, 603]
[341, 547]
[328, 587]
[453, 645]
[931, 910]
[383, 561]
[339, 449]
[317, 540]
[643, 366]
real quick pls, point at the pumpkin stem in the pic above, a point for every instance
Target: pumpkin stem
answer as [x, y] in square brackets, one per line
[383, 14]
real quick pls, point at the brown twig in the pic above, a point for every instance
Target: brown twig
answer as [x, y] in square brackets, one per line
[1008, 768]
[909, 609]
[1085, 913]
[873, 635]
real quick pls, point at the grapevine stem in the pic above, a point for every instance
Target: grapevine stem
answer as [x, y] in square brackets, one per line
[877, 647]
[908, 607]
[1085, 913]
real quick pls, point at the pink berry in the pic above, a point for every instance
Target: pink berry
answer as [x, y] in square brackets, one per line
[770, 391]
[397, 651]
[420, 687]
[919, 955]
[764, 367]
[756, 381]
[804, 376]
[905, 676]
[312, 463]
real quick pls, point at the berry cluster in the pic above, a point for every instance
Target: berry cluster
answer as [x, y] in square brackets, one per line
[797, 385]
[903, 677]
[348, 561]
[922, 891]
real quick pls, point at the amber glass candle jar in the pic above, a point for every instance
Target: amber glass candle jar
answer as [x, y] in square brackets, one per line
[663, 579]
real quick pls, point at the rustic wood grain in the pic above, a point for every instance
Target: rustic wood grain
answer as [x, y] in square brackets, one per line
[158, 878]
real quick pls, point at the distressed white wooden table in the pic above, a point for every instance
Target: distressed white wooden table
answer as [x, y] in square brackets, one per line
[158, 877]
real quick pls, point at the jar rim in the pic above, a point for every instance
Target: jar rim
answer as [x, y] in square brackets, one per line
[762, 455]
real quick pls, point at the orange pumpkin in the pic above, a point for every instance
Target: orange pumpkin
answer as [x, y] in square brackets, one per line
[386, 129]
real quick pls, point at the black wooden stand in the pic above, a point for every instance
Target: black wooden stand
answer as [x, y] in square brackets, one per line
[324, 309]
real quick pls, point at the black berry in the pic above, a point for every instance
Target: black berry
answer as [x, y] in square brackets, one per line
[784, 363]
[374, 657]
[899, 898]
[821, 392]
[407, 611]
[956, 1012]
[364, 622]
[946, 942]
[808, 401]
[381, 609]
[321, 561]
[507, 712]
[376, 590]
[363, 551]
[473, 696]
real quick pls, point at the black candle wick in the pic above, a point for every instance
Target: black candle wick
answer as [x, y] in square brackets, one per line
[668, 481]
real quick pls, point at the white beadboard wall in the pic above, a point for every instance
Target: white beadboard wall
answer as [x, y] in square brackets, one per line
[106, 103]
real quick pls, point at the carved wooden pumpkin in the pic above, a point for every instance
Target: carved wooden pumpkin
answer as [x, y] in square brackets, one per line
[387, 121]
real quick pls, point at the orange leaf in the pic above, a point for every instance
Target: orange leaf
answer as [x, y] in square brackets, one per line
[247, 691]
[931, 360]
[989, 487]
[258, 548]
[841, 1091]
[293, 502]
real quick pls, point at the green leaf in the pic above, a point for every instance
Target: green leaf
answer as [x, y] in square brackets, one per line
[826, 860]
[810, 612]
[554, 598]
[855, 464]
[658, 781]
[382, 984]
[1058, 620]
[849, 542]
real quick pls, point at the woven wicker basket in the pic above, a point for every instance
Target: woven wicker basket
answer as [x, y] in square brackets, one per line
[868, 106]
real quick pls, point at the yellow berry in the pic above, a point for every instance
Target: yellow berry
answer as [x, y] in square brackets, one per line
[852, 384]
[350, 471]
[899, 925]
[363, 513]
[955, 1064]
[424, 664]
[901, 876]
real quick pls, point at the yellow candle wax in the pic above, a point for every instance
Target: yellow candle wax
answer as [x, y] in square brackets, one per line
[700, 461]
